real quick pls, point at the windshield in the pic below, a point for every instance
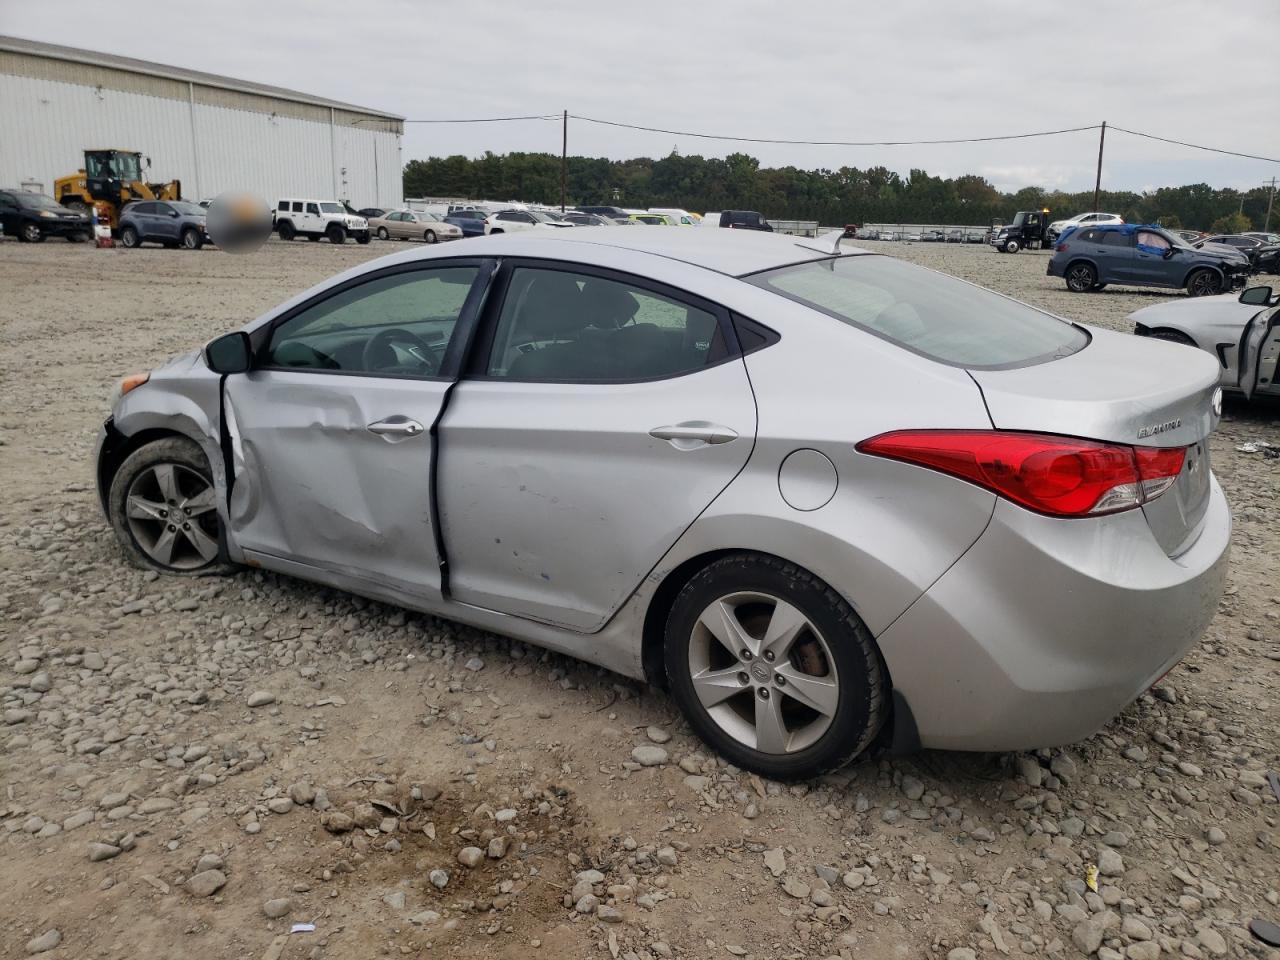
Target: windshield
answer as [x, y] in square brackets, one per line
[929, 313]
[332, 208]
[38, 201]
[1018, 218]
[190, 209]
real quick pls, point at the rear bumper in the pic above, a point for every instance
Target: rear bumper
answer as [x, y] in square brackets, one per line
[1046, 629]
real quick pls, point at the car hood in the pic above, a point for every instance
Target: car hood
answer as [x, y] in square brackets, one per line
[1204, 319]
[1222, 251]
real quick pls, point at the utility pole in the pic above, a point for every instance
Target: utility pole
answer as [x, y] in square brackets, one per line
[1271, 199]
[1097, 183]
[564, 160]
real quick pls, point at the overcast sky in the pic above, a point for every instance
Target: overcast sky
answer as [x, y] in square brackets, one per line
[813, 70]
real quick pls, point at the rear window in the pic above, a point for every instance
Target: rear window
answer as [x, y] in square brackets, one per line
[928, 313]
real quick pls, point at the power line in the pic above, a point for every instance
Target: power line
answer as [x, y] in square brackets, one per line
[1196, 146]
[489, 119]
[829, 143]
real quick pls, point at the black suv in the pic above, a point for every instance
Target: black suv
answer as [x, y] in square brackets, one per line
[744, 220]
[33, 216]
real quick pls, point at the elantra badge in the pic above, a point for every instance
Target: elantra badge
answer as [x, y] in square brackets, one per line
[1157, 428]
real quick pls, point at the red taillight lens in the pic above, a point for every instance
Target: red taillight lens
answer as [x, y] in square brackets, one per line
[1061, 248]
[1058, 476]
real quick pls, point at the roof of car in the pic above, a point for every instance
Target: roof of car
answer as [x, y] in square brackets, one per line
[732, 252]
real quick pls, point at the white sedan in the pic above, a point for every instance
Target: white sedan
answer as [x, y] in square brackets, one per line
[513, 221]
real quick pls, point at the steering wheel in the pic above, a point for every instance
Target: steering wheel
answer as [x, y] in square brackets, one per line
[379, 354]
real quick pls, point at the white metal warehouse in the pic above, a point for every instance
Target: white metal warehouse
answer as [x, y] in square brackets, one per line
[213, 133]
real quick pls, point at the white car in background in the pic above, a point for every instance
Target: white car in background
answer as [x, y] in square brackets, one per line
[1059, 227]
[513, 221]
[682, 217]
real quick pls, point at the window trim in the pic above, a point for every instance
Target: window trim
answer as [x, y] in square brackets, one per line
[450, 361]
[476, 365]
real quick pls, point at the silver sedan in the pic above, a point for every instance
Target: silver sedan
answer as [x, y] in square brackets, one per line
[833, 501]
[413, 225]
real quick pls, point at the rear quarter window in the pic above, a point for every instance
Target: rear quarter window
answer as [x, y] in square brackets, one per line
[928, 313]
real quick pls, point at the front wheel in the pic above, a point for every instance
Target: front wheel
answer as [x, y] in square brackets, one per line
[163, 508]
[1011, 246]
[129, 237]
[336, 235]
[31, 233]
[363, 238]
[1081, 277]
[773, 669]
[1204, 283]
[191, 239]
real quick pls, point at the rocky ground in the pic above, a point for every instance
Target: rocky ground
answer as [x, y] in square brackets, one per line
[195, 765]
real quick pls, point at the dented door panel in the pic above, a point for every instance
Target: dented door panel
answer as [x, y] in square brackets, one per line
[315, 485]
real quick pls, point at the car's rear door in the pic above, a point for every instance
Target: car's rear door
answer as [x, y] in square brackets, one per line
[603, 414]
[331, 429]
[1114, 256]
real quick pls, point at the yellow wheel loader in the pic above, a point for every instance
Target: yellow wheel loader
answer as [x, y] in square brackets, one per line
[109, 180]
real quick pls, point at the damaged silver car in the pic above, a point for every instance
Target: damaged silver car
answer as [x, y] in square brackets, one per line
[833, 501]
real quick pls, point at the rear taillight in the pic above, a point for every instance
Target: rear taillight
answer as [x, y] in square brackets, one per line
[1057, 476]
[1061, 248]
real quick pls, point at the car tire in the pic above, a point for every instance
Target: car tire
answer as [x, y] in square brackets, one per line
[429, 236]
[1204, 283]
[336, 235]
[496, 230]
[31, 233]
[191, 239]
[383, 234]
[1011, 246]
[129, 237]
[734, 700]
[363, 238]
[1080, 277]
[153, 486]
[287, 231]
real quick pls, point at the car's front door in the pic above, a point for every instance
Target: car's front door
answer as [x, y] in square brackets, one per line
[1154, 262]
[1259, 353]
[165, 221]
[331, 429]
[603, 416]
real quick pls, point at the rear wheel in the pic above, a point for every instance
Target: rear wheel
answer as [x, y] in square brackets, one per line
[191, 239]
[163, 508]
[1081, 277]
[287, 231]
[429, 236]
[382, 234]
[129, 237]
[773, 669]
[336, 234]
[1204, 283]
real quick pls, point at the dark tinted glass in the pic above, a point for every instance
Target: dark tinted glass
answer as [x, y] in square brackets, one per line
[1114, 238]
[928, 313]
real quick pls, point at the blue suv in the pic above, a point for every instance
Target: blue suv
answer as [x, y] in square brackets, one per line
[1142, 255]
[169, 222]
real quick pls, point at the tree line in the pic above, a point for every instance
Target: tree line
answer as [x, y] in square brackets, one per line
[846, 195]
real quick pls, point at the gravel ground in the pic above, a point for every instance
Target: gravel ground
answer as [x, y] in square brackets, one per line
[196, 764]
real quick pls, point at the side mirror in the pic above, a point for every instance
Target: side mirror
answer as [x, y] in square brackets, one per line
[1170, 252]
[1256, 296]
[173, 213]
[230, 353]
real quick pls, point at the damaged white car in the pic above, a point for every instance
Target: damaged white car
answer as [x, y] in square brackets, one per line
[832, 500]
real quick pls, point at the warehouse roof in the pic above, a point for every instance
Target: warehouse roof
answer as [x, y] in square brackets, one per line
[93, 58]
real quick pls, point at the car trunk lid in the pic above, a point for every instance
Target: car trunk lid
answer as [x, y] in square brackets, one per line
[1126, 390]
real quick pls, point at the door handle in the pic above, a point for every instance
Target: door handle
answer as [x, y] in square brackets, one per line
[691, 433]
[398, 427]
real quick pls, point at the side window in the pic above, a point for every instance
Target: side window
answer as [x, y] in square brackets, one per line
[563, 326]
[397, 325]
[283, 206]
[7, 202]
[1089, 236]
[1152, 241]
[297, 206]
[526, 218]
[146, 209]
[506, 216]
[1114, 238]
[313, 209]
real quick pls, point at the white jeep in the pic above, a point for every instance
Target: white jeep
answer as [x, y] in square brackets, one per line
[314, 219]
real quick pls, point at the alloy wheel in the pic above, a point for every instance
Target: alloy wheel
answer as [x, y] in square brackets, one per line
[763, 672]
[171, 513]
[1205, 284]
[31, 233]
[1080, 277]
